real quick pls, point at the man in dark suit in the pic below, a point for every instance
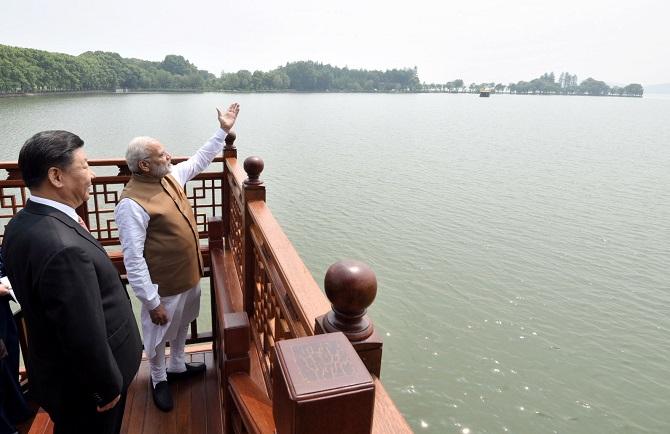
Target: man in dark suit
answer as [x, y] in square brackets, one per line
[13, 406]
[84, 346]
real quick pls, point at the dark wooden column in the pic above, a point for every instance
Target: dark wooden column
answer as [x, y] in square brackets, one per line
[215, 241]
[229, 151]
[254, 190]
[351, 287]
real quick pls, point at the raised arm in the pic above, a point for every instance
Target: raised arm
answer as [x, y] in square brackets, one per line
[227, 119]
[187, 170]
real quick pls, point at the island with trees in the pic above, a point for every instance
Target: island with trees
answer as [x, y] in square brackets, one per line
[28, 71]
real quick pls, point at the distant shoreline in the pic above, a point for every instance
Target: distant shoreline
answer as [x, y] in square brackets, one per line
[195, 91]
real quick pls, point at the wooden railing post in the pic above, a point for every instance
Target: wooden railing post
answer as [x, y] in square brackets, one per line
[231, 330]
[320, 386]
[236, 340]
[254, 190]
[351, 287]
[229, 151]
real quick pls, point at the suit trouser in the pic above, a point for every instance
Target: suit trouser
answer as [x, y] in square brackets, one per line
[79, 417]
[13, 407]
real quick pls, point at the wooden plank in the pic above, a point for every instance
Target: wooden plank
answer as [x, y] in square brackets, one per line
[197, 406]
[182, 402]
[214, 405]
[130, 397]
[40, 423]
[235, 169]
[254, 407]
[222, 283]
[256, 372]
[133, 417]
[232, 282]
[198, 402]
[167, 421]
[154, 419]
[387, 419]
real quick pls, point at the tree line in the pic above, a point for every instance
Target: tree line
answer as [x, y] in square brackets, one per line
[26, 70]
[546, 84]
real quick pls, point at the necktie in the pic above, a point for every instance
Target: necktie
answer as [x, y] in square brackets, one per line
[83, 225]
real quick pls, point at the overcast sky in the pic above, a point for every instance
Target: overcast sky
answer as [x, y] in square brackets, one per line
[477, 40]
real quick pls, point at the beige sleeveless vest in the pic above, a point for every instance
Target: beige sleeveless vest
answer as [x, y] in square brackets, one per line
[172, 248]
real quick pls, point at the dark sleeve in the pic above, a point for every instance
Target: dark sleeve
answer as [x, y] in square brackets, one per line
[72, 303]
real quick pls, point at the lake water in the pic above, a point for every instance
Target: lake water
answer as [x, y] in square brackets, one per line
[521, 243]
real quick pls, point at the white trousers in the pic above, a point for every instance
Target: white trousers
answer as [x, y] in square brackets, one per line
[182, 309]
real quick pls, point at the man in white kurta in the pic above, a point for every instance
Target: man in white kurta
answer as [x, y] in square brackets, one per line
[164, 318]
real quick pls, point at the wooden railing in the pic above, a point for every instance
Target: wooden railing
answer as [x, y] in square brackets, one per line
[261, 294]
[262, 288]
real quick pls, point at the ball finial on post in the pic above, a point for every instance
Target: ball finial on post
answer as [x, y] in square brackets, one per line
[253, 166]
[351, 287]
[230, 140]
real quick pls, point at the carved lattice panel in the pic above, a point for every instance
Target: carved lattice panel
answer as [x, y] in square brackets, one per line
[12, 200]
[204, 192]
[99, 210]
[235, 235]
[273, 318]
[206, 198]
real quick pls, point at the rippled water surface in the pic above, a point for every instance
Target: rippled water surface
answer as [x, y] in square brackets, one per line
[521, 244]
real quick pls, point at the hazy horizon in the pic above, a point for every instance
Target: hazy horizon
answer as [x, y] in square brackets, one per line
[477, 41]
[466, 81]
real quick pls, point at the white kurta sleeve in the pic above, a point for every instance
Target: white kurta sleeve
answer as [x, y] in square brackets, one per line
[185, 171]
[132, 222]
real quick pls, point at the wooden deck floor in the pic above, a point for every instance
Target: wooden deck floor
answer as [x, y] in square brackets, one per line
[197, 405]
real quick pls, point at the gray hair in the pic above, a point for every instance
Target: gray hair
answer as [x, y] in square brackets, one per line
[137, 151]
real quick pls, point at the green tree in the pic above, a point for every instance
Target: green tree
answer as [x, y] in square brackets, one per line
[633, 89]
[591, 86]
[177, 65]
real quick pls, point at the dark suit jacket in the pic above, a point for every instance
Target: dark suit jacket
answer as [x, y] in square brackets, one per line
[83, 339]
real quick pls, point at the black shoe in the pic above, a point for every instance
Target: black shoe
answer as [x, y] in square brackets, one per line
[162, 396]
[192, 369]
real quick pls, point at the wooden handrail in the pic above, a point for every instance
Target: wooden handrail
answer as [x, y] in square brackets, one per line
[304, 292]
[255, 409]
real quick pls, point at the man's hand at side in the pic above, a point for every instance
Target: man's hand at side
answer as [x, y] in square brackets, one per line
[227, 118]
[110, 405]
[159, 315]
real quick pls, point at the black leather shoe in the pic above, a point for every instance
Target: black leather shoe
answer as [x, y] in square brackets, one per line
[162, 396]
[192, 369]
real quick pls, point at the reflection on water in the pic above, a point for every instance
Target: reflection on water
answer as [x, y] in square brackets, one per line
[520, 243]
